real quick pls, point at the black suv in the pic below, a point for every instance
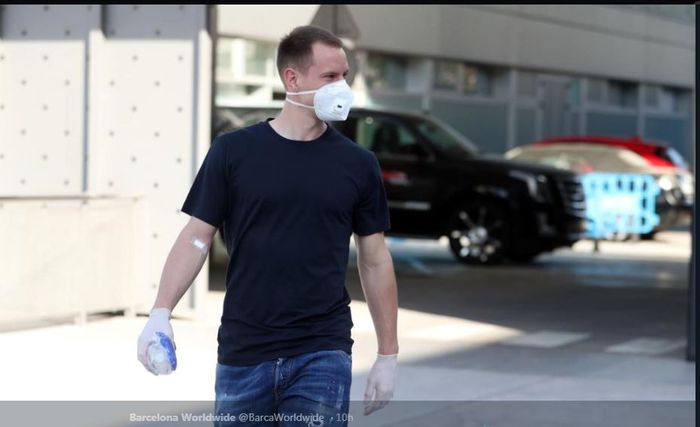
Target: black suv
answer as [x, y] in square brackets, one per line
[438, 185]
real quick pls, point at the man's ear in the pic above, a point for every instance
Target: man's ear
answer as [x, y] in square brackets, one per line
[289, 79]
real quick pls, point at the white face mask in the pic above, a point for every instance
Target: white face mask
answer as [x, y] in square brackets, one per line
[332, 102]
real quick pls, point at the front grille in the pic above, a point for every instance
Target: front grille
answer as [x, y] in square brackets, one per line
[572, 196]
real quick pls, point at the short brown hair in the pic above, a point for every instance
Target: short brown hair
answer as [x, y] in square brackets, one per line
[295, 48]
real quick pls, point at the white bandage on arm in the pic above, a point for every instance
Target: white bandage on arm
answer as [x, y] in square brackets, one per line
[199, 244]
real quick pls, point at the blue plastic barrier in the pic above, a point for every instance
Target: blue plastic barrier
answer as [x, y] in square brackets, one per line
[619, 203]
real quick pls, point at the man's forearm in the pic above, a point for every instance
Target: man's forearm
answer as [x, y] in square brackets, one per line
[182, 266]
[379, 286]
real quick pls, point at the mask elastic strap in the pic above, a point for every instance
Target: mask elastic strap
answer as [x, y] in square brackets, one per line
[298, 103]
[303, 92]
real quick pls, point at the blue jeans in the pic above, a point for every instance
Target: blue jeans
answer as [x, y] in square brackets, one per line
[309, 389]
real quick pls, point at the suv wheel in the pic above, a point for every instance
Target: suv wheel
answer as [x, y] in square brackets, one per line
[478, 232]
[648, 236]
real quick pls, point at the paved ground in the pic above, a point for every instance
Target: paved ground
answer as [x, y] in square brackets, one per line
[574, 328]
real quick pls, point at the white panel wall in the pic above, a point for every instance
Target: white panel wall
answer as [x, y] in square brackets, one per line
[42, 98]
[65, 258]
[108, 100]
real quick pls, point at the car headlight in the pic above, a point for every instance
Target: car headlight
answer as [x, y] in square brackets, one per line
[666, 182]
[537, 184]
[687, 184]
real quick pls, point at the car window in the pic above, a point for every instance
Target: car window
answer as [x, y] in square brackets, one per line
[387, 137]
[582, 157]
[561, 160]
[631, 158]
[446, 138]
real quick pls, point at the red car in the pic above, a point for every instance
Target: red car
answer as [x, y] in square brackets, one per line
[656, 153]
[674, 203]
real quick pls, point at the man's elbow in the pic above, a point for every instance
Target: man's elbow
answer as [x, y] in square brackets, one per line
[199, 232]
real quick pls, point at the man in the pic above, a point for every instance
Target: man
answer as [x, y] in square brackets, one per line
[288, 193]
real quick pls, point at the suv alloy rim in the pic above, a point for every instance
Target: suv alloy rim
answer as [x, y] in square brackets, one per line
[476, 234]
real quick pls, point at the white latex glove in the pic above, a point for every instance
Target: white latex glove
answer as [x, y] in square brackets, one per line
[380, 382]
[158, 321]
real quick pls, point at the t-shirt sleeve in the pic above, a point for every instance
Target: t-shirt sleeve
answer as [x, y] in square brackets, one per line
[208, 196]
[371, 213]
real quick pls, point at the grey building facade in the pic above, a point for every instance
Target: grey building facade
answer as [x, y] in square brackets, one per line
[504, 75]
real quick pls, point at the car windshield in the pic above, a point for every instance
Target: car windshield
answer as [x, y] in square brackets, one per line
[445, 138]
[581, 158]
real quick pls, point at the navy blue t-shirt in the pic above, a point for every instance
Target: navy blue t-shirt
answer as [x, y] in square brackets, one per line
[287, 210]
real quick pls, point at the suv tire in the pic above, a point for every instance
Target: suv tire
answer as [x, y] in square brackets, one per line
[478, 232]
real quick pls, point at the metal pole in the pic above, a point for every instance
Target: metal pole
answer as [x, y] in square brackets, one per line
[334, 13]
[690, 350]
[691, 316]
[692, 319]
[212, 27]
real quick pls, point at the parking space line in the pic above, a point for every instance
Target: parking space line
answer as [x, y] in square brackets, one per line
[645, 345]
[464, 331]
[545, 339]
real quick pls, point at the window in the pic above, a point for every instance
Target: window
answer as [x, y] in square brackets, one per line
[446, 138]
[667, 99]
[527, 84]
[224, 57]
[232, 92]
[617, 93]
[385, 72]
[477, 80]
[229, 90]
[582, 157]
[573, 94]
[651, 96]
[447, 75]
[622, 94]
[680, 100]
[387, 137]
[470, 79]
[347, 127]
[259, 58]
[596, 90]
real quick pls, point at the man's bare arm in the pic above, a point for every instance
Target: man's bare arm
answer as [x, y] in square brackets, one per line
[376, 269]
[184, 262]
